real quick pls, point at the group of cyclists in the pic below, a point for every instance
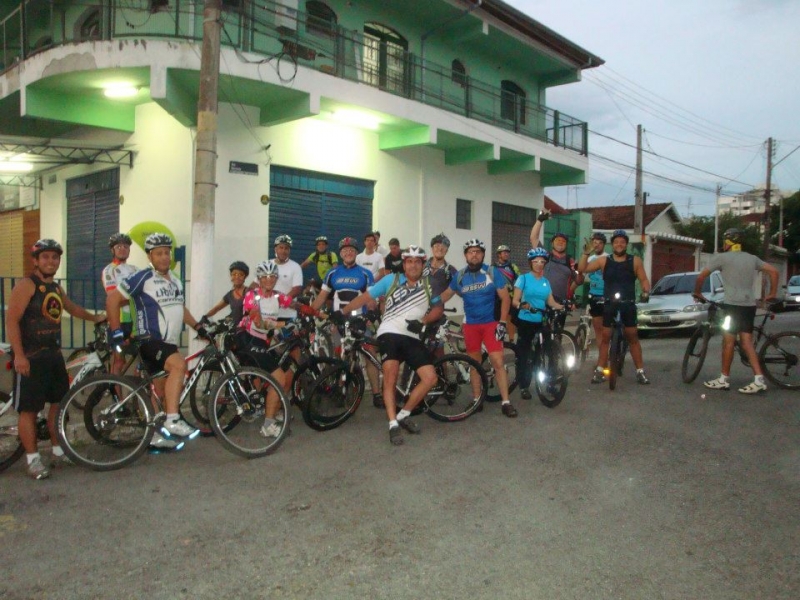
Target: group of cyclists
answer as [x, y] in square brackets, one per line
[410, 285]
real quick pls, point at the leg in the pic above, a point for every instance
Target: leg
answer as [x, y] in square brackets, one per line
[605, 342]
[746, 342]
[597, 325]
[427, 379]
[391, 368]
[524, 350]
[273, 402]
[634, 346]
[27, 431]
[500, 375]
[728, 343]
[175, 367]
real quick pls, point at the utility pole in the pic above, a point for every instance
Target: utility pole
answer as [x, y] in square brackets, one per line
[638, 210]
[716, 219]
[205, 165]
[767, 194]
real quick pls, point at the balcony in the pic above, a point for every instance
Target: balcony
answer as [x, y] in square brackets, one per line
[288, 39]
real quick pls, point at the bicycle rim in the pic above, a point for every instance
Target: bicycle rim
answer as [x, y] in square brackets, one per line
[237, 412]
[695, 355]
[551, 376]
[194, 409]
[334, 398]
[581, 335]
[569, 350]
[10, 447]
[306, 376]
[104, 423]
[779, 358]
[510, 366]
[460, 388]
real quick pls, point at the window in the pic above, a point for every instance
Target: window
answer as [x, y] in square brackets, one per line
[459, 73]
[512, 102]
[88, 27]
[320, 19]
[384, 58]
[463, 214]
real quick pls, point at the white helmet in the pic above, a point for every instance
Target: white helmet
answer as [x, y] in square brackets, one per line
[266, 268]
[474, 243]
[414, 252]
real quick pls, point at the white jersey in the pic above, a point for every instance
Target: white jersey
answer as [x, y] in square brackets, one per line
[371, 262]
[289, 275]
[112, 276]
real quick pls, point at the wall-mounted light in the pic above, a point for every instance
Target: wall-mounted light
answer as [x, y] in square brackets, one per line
[356, 118]
[120, 90]
[15, 166]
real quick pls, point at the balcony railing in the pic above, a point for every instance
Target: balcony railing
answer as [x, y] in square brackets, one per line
[287, 38]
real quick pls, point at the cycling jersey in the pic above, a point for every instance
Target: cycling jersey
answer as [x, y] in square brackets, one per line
[595, 278]
[325, 262]
[402, 303]
[346, 283]
[510, 272]
[478, 290]
[269, 307]
[560, 272]
[535, 291]
[439, 277]
[619, 278]
[393, 263]
[157, 302]
[115, 272]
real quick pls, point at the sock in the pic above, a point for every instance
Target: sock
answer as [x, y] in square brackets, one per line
[393, 424]
[403, 414]
[57, 451]
[173, 416]
[505, 402]
[598, 369]
[640, 370]
[32, 457]
[723, 378]
[760, 379]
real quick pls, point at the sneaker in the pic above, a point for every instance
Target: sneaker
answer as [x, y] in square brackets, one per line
[159, 442]
[753, 388]
[280, 417]
[525, 394]
[180, 428]
[598, 376]
[410, 426]
[272, 430]
[717, 384]
[377, 401]
[61, 461]
[642, 378]
[395, 436]
[509, 410]
[37, 470]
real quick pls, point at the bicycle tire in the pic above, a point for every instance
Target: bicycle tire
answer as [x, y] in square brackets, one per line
[195, 413]
[614, 350]
[695, 354]
[305, 377]
[335, 397]
[241, 398]
[11, 448]
[510, 360]
[581, 336]
[453, 397]
[569, 349]
[113, 427]
[551, 375]
[779, 359]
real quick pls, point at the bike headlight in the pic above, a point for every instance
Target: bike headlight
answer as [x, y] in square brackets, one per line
[541, 376]
[726, 323]
[570, 361]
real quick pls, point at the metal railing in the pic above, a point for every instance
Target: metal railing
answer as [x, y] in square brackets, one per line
[287, 38]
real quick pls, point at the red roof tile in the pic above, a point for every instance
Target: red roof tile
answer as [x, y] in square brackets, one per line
[621, 217]
[554, 207]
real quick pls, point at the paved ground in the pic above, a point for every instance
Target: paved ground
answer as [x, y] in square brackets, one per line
[645, 492]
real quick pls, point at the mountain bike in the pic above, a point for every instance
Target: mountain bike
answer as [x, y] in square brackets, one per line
[550, 367]
[584, 338]
[618, 346]
[778, 354]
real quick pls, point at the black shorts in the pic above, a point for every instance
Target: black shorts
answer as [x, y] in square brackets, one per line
[741, 318]
[596, 306]
[394, 346]
[627, 310]
[48, 382]
[155, 353]
[255, 351]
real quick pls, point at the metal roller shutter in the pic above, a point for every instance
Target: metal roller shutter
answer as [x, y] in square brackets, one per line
[511, 225]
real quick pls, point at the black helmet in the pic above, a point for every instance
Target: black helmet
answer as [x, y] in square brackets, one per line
[238, 265]
[157, 240]
[733, 234]
[599, 236]
[46, 244]
[440, 238]
[348, 241]
[619, 233]
[119, 238]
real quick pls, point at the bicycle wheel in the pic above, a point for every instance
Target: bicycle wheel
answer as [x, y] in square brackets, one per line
[569, 349]
[10, 447]
[614, 351]
[237, 412]
[581, 337]
[551, 375]
[334, 398]
[695, 354]
[510, 366]
[306, 376]
[194, 409]
[453, 397]
[113, 427]
[779, 359]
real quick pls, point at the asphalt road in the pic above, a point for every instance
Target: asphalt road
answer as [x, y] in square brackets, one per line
[645, 492]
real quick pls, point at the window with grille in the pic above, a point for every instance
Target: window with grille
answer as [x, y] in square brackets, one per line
[512, 102]
[459, 73]
[463, 214]
[320, 19]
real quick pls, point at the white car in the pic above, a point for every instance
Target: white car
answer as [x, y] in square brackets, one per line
[792, 296]
[671, 305]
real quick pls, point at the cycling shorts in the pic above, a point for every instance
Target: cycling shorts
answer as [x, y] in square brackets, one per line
[48, 382]
[255, 351]
[477, 334]
[627, 311]
[596, 306]
[741, 318]
[155, 353]
[402, 348]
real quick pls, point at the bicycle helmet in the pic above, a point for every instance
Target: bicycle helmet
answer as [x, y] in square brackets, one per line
[538, 253]
[559, 234]
[502, 248]
[283, 239]
[348, 241]
[440, 238]
[266, 268]
[474, 243]
[599, 236]
[619, 233]
[119, 238]
[414, 252]
[319, 239]
[157, 240]
[733, 234]
[46, 244]
[238, 265]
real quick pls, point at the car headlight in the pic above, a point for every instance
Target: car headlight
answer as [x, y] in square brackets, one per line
[694, 308]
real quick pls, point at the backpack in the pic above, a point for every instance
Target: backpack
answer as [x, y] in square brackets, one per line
[396, 284]
[315, 259]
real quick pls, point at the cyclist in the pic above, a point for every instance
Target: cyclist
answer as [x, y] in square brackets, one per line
[34, 332]
[438, 271]
[290, 275]
[478, 284]
[561, 269]
[156, 294]
[531, 290]
[235, 297]
[393, 261]
[620, 272]
[347, 280]
[738, 269]
[410, 306]
[510, 273]
[596, 300]
[117, 270]
[322, 257]
[262, 307]
[370, 258]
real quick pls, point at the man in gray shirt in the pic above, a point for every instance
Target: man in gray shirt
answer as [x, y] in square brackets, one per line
[738, 271]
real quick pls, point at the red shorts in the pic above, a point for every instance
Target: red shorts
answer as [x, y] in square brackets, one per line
[475, 335]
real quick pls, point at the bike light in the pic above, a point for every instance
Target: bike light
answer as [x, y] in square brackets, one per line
[570, 361]
[541, 376]
[606, 371]
[726, 323]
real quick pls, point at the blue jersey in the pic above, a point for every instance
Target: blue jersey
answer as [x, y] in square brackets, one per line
[596, 284]
[478, 290]
[535, 291]
[157, 303]
[346, 283]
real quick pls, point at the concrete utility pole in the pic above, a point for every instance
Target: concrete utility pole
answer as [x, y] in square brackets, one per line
[767, 194]
[638, 211]
[716, 220]
[205, 167]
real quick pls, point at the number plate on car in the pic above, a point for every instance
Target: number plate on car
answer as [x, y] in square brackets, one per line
[659, 319]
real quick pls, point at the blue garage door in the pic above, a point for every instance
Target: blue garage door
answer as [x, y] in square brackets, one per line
[307, 204]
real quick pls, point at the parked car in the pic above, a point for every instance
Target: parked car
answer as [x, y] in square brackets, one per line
[792, 297]
[671, 304]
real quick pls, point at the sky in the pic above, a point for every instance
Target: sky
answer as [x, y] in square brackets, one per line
[709, 81]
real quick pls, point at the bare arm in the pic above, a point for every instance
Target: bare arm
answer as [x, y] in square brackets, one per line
[772, 272]
[517, 300]
[322, 296]
[20, 297]
[189, 319]
[216, 308]
[446, 295]
[80, 312]
[295, 291]
[357, 302]
[434, 314]
[584, 266]
[536, 233]
[505, 304]
[638, 269]
[114, 303]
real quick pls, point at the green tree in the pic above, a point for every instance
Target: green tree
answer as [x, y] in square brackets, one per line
[702, 228]
[791, 225]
